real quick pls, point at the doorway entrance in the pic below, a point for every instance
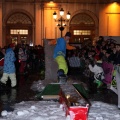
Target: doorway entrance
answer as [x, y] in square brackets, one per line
[19, 39]
[82, 27]
[19, 29]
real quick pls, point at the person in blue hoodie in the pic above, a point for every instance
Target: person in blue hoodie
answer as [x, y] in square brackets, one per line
[60, 54]
[9, 69]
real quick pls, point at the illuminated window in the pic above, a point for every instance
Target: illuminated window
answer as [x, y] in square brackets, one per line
[18, 31]
[82, 32]
[19, 18]
[82, 18]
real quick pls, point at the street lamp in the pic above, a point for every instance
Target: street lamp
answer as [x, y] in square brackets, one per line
[61, 21]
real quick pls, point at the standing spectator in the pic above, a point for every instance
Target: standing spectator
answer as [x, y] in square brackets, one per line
[1, 60]
[74, 60]
[100, 40]
[40, 53]
[9, 69]
[17, 64]
[22, 55]
[113, 55]
[117, 55]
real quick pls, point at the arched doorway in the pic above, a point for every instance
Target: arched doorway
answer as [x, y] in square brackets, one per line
[83, 27]
[19, 29]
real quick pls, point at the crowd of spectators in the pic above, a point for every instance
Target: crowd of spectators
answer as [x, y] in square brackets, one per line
[31, 57]
[89, 58]
[98, 61]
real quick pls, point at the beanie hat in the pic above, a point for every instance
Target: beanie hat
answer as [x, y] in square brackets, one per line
[12, 45]
[68, 34]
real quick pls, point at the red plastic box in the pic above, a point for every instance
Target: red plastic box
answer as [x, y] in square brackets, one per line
[78, 112]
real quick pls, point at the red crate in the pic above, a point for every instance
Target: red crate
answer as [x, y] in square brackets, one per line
[78, 113]
[75, 112]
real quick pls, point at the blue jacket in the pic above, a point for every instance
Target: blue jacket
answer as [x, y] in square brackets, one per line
[60, 48]
[9, 66]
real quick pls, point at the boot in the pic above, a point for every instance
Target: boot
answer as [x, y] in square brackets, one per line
[2, 86]
[62, 79]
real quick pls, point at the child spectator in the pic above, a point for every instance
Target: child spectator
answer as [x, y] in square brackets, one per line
[98, 72]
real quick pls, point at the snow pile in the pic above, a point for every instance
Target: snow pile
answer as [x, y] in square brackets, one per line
[50, 110]
[40, 110]
[37, 86]
[103, 111]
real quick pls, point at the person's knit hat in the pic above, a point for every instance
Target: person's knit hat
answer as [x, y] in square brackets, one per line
[12, 45]
[68, 34]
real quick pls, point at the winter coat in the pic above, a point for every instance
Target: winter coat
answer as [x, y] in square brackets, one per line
[60, 48]
[9, 66]
[98, 72]
[117, 58]
[22, 55]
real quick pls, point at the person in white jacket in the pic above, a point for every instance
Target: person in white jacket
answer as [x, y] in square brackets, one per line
[98, 72]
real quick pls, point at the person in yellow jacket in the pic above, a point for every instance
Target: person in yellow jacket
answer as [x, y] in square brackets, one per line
[60, 53]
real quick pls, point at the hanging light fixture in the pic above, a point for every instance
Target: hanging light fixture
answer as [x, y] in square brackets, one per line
[68, 15]
[61, 12]
[55, 15]
[61, 21]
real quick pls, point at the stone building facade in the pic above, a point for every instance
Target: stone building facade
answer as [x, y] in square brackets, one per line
[31, 21]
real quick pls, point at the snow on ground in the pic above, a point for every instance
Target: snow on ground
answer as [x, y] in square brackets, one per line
[103, 111]
[35, 110]
[50, 110]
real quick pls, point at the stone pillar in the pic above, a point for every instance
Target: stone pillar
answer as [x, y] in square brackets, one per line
[51, 66]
